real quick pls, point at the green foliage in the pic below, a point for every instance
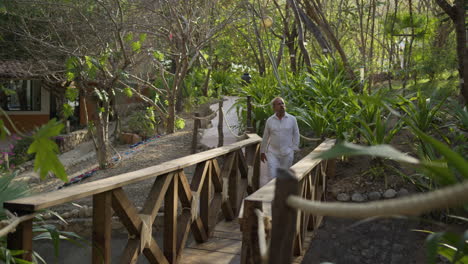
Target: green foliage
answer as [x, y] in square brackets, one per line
[142, 123]
[72, 93]
[46, 150]
[224, 82]
[179, 123]
[10, 190]
[451, 246]
[423, 112]
[380, 129]
[461, 115]
[68, 110]
[128, 92]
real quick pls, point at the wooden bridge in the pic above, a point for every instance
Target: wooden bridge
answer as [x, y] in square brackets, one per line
[207, 205]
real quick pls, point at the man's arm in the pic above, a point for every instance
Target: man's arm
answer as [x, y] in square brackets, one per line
[296, 135]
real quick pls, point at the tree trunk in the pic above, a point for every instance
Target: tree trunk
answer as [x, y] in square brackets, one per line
[457, 14]
[461, 48]
[102, 137]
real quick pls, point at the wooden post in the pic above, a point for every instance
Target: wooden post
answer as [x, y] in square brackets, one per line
[220, 124]
[234, 185]
[331, 168]
[205, 199]
[250, 253]
[21, 239]
[102, 224]
[250, 128]
[284, 219]
[196, 125]
[170, 221]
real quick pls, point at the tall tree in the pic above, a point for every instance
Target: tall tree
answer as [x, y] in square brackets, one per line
[457, 13]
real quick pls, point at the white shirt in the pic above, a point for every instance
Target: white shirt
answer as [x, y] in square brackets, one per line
[280, 137]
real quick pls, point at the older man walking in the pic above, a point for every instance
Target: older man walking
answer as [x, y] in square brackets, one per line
[280, 138]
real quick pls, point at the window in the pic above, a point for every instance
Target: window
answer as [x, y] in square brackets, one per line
[23, 95]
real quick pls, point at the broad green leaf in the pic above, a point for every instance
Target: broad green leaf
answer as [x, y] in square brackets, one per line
[128, 92]
[46, 150]
[136, 46]
[67, 110]
[452, 157]
[72, 93]
[70, 76]
[383, 151]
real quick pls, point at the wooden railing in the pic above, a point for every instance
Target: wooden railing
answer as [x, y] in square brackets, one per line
[311, 175]
[214, 189]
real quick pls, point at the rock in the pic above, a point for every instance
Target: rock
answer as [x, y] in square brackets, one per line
[402, 192]
[129, 138]
[374, 196]
[89, 212]
[66, 215]
[343, 197]
[357, 197]
[47, 216]
[82, 213]
[367, 253]
[390, 193]
[75, 213]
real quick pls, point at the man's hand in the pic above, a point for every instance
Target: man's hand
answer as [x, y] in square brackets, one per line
[263, 157]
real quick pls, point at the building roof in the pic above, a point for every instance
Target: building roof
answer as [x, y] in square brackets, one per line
[16, 69]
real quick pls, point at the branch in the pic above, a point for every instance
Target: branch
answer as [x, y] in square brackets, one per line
[450, 10]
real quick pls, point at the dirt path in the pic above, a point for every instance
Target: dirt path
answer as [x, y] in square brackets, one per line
[386, 241]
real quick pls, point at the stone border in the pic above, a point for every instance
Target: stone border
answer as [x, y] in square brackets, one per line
[371, 196]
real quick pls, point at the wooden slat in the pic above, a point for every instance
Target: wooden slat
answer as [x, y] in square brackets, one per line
[126, 211]
[227, 166]
[227, 210]
[102, 219]
[256, 169]
[198, 231]
[183, 229]
[170, 221]
[243, 169]
[233, 186]
[205, 198]
[199, 176]
[154, 254]
[215, 209]
[185, 193]
[216, 176]
[42, 201]
[130, 253]
[196, 256]
[156, 195]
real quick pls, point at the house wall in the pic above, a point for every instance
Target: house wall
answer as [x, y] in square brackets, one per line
[26, 121]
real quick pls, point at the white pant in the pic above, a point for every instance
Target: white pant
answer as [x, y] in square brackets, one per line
[278, 161]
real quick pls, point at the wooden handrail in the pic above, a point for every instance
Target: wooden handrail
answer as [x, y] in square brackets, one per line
[310, 173]
[300, 169]
[213, 190]
[42, 201]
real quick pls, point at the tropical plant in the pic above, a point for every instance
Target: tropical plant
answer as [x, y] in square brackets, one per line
[10, 190]
[452, 169]
[142, 122]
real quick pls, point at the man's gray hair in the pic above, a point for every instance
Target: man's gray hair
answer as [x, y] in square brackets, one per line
[274, 99]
